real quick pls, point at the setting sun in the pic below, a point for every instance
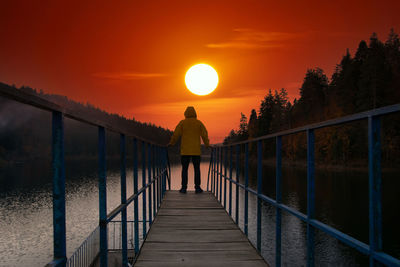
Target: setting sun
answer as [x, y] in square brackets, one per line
[201, 79]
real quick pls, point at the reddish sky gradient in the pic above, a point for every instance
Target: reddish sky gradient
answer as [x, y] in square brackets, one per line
[130, 57]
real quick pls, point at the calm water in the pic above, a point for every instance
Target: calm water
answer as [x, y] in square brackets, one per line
[342, 202]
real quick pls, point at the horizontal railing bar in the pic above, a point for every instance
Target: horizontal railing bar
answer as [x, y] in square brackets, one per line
[36, 101]
[119, 208]
[327, 123]
[292, 211]
[360, 246]
[348, 240]
[386, 259]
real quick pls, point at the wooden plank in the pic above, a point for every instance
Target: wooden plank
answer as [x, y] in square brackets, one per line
[192, 219]
[202, 263]
[192, 235]
[178, 204]
[177, 246]
[177, 256]
[194, 230]
[188, 212]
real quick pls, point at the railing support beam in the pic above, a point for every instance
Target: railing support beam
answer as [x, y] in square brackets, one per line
[58, 166]
[123, 201]
[278, 192]
[237, 180]
[135, 191]
[375, 190]
[246, 191]
[310, 197]
[103, 198]
[259, 192]
[144, 209]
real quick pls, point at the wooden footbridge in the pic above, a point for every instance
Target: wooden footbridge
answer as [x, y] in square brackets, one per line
[195, 230]
[172, 229]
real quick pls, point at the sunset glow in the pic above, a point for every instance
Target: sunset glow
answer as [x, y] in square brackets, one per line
[201, 79]
[131, 57]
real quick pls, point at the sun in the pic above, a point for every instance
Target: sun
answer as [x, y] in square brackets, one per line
[201, 79]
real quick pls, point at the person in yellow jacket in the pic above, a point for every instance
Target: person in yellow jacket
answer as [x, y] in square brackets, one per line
[190, 130]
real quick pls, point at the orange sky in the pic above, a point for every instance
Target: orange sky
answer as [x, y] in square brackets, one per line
[130, 57]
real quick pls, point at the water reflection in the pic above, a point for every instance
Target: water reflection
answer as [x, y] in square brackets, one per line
[341, 201]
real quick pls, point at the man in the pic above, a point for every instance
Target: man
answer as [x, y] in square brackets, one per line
[190, 130]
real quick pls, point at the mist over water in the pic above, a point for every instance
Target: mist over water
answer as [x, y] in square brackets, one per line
[26, 210]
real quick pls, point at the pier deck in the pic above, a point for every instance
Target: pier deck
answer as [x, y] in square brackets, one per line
[195, 230]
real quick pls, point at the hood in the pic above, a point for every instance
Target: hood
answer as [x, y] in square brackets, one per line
[190, 112]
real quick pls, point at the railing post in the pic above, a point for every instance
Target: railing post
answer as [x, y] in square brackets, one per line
[209, 169]
[259, 192]
[135, 191]
[163, 176]
[230, 181]
[246, 189]
[310, 197]
[103, 198]
[144, 209]
[225, 173]
[158, 176]
[215, 170]
[163, 182]
[237, 181]
[212, 170]
[154, 164]
[58, 165]
[375, 190]
[123, 200]
[217, 173]
[278, 193]
[220, 175]
[149, 180]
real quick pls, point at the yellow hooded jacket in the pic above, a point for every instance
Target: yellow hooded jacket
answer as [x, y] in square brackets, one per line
[190, 130]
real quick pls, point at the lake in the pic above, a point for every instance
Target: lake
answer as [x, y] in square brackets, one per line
[341, 202]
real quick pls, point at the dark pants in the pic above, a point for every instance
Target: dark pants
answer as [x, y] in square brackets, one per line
[185, 160]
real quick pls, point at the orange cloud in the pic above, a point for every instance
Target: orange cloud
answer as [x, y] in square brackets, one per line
[129, 75]
[252, 39]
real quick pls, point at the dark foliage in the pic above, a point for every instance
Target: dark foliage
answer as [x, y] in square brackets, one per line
[370, 79]
[25, 131]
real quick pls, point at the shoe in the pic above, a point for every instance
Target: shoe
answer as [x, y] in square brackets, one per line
[199, 190]
[183, 190]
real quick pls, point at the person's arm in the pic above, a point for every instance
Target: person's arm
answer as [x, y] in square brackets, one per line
[204, 135]
[176, 135]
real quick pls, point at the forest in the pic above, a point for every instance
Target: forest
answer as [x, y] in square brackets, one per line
[366, 80]
[25, 131]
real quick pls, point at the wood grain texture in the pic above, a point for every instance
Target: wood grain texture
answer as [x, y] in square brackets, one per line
[194, 230]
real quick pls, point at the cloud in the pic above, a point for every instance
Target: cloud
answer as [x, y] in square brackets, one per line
[245, 38]
[129, 75]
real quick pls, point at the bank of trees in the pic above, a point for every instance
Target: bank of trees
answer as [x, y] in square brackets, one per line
[25, 131]
[367, 80]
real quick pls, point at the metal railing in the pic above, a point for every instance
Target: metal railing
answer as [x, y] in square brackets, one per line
[219, 177]
[87, 252]
[155, 172]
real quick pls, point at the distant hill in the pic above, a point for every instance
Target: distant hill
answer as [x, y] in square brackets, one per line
[25, 131]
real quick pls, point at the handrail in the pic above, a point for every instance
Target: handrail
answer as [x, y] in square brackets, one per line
[220, 160]
[346, 119]
[41, 103]
[155, 166]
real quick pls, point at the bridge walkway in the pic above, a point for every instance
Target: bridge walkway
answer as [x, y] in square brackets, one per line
[195, 230]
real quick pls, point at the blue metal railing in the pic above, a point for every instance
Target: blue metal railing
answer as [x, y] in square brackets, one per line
[87, 252]
[156, 161]
[219, 159]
